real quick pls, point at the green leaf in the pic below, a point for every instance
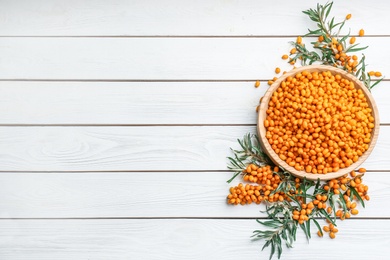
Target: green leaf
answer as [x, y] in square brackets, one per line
[234, 176]
[266, 244]
[279, 244]
[270, 223]
[376, 83]
[318, 226]
[272, 249]
[326, 215]
[343, 203]
[303, 227]
[308, 228]
[329, 6]
[354, 192]
[355, 49]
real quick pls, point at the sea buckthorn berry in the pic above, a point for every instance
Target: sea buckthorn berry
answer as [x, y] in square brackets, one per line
[319, 233]
[361, 32]
[285, 57]
[277, 70]
[352, 40]
[362, 170]
[348, 16]
[326, 228]
[332, 235]
[257, 83]
[354, 212]
[378, 74]
[293, 50]
[299, 39]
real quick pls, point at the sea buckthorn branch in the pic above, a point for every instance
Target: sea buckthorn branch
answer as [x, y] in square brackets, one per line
[331, 48]
[283, 228]
[250, 152]
[291, 202]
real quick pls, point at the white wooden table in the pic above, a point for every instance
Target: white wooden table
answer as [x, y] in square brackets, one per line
[117, 117]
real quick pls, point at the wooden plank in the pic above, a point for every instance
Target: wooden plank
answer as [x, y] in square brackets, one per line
[134, 148]
[178, 239]
[119, 103]
[143, 194]
[157, 58]
[123, 18]
[129, 103]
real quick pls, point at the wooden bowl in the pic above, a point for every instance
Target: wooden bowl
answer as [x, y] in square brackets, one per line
[311, 176]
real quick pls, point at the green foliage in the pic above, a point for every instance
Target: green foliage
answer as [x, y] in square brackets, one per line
[324, 52]
[280, 226]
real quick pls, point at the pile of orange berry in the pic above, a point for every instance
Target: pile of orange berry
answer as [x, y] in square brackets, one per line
[263, 181]
[267, 181]
[318, 122]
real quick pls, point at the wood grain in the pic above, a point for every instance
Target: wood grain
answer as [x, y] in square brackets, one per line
[134, 148]
[219, 17]
[157, 58]
[121, 180]
[143, 195]
[110, 103]
[129, 103]
[178, 239]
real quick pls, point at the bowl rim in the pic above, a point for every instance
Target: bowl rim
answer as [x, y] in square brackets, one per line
[266, 147]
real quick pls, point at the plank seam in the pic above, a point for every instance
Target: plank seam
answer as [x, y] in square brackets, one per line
[170, 218]
[142, 80]
[137, 171]
[132, 125]
[176, 36]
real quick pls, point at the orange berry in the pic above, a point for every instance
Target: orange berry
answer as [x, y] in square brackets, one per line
[257, 83]
[354, 211]
[352, 40]
[277, 70]
[293, 50]
[326, 228]
[361, 32]
[285, 57]
[299, 39]
[378, 74]
[362, 170]
[348, 16]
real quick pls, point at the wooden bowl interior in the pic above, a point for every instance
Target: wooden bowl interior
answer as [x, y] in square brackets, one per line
[275, 158]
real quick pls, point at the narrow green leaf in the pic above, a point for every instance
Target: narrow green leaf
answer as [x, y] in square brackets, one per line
[354, 191]
[303, 227]
[272, 249]
[329, 8]
[376, 83]
[234, 176]
[318, 226]
[326, 215]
